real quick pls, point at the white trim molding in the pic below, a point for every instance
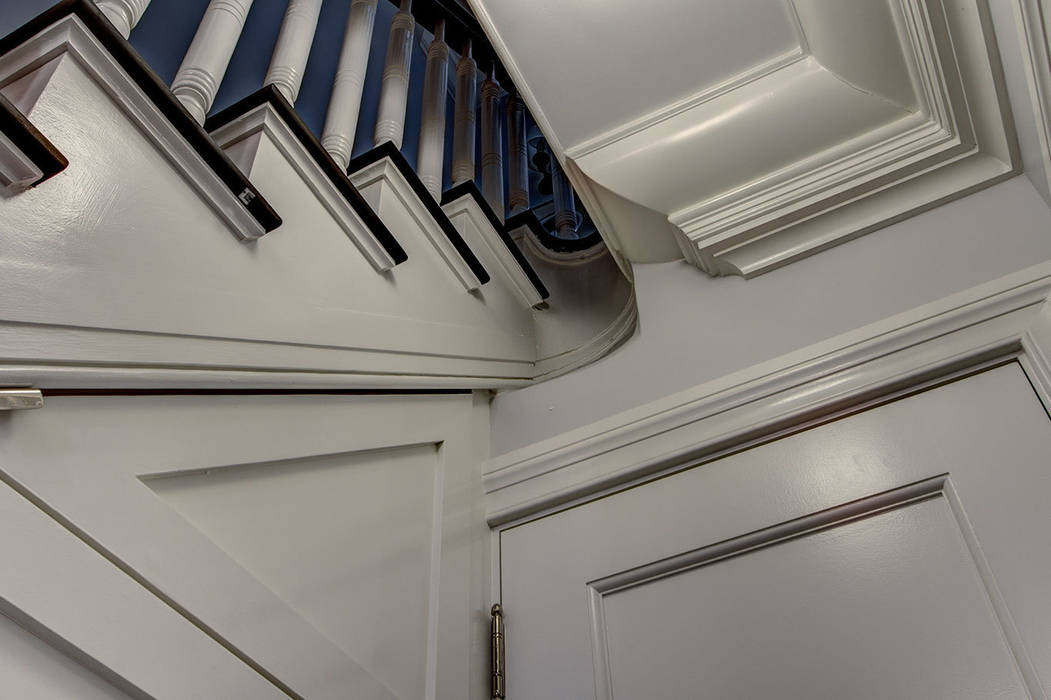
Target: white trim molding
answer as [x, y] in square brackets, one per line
[17, 170]
[474, 226]
[265, 120]
[383, 177]
[886, 110]
[25, 74]
[1008, 318]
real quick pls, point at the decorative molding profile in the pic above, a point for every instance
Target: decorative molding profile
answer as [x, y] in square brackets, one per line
[78, 29]
[27, 158]
[1008, 318]
[385, 167]
[737, 233]
[268, 111]
[620, 329]
[929, 126]
[466, 200]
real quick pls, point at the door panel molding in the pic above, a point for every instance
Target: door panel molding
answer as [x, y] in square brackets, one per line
[914, 524]
[937, 488]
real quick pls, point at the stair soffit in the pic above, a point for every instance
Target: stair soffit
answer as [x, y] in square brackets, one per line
[790, 148]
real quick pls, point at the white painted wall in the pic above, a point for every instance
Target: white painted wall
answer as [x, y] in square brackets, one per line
[694, 328]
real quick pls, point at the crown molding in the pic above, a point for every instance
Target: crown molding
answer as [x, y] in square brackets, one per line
[957, 142]
[1001, 320]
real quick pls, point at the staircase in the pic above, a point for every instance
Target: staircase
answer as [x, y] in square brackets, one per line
[151, 241]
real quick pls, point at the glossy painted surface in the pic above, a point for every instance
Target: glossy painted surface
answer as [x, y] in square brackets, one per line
[891, 597]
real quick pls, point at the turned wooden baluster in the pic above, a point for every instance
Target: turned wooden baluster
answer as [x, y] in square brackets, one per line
[293, 47]
[394, 90]
[464, 117]
[206, 60]
[431, 154]
[492, 144]
[341, 121]
[517, 156]
[123, 14]
[566, 220]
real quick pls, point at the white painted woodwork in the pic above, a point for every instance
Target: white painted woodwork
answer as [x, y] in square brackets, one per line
[1007, 319]
[82, 73]
[32, 669]
[517, 156]
[115, 628]
[17, 170]
[123, 14]
[697, 332]
[492, 144]
[189, 305]
[335, 541]
[240, 139]
[465, 117]
[394, 88]
[197, 81]
[391, 196]
[1023, 30]
[856, 541]
[468, 218]
[430, 155]
[591, 310]
[344, 107]
[783, 141]
[289, 62]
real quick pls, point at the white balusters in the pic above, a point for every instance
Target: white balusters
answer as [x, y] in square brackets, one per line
[566, 221]
[492, 145]
[123, 14]
[517, 156]
[394, 91]
[341, 121]
[463, 166]
[431, 153]
[293, 47]
[206, 60]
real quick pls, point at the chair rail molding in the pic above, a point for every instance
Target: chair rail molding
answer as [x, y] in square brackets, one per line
[862, 119]
[1008, 318]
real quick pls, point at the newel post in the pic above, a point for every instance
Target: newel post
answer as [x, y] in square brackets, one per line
[204, 66]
